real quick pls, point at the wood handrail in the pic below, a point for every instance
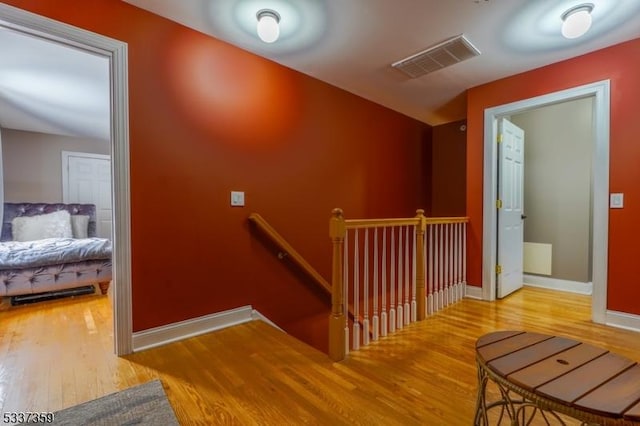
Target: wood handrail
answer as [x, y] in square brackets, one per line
[296, 257]
[438, 220]
[380, 223]
[375, 223]
[284, 245]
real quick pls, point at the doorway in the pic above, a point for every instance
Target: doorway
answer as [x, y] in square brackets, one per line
[557, 195]
[600, 182]
[116, 52]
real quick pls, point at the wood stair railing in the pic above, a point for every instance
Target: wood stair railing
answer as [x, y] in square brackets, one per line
[384, 259]
[290, 252]
[297, 258]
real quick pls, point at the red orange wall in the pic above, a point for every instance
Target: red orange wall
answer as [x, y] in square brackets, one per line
[620, 64]
[207, 118]
[448, 168]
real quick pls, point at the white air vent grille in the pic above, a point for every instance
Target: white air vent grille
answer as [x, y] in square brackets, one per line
[452, 51]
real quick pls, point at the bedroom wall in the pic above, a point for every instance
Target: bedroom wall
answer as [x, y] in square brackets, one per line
[207, 118]
[33, 164]
[619, 64]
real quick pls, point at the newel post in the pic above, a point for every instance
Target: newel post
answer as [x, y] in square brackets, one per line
[337, 344]
[421, 294]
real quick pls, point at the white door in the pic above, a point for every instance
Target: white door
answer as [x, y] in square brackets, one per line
[510, 207]
[87, 179]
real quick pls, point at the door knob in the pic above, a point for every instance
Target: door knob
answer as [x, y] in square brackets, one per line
[523, 216]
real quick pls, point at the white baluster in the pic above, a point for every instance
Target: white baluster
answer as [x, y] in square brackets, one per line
[447, 257]
[427, 270]
[356, 291]
[454, 288]
[452, 272]
[366, 284]
[460, 261]
[407, 278]
[383, 315]
[376, 323]
[399, 312]
[430, 267]
[392, 302]
[464, 258]
[460, 293]
[436, 267]
[440, 298]
[441, 267]
[345, 290]
[414, 304]
[451, 282]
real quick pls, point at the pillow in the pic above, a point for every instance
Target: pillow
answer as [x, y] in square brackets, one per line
[80, 226]
[51, 225]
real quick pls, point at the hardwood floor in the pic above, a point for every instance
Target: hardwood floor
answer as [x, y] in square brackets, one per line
[59, 353]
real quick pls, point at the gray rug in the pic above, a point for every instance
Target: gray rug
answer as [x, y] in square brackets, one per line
[144, 404]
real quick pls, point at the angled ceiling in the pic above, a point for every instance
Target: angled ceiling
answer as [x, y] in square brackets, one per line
[49, 88]
[352, 44]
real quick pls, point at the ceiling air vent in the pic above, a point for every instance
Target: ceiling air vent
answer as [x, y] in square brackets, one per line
[449, 52]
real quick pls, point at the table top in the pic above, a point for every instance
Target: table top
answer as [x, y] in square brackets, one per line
[565, 371]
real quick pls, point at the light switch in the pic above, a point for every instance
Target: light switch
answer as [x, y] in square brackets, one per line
[616, 201]
[237, 198]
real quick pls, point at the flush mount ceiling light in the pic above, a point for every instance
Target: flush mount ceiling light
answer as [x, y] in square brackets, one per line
[268, 25]
[577, 20]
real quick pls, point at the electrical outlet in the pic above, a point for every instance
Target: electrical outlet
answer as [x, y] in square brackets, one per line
[237, 198]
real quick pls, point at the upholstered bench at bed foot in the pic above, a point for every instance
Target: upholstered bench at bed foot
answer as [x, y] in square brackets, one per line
[56, 277]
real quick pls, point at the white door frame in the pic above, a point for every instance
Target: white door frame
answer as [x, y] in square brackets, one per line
[1, 183]
[116, 52]
[599, 178]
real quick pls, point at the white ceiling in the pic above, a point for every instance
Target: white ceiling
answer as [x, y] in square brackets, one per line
[48, 87]
[351, 44]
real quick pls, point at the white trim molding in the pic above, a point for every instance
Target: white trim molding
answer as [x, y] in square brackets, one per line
[473, 292]
[116, 51]
[169, 333]
[623, 320]
[558, 284]
[599, 178]
[255, 315]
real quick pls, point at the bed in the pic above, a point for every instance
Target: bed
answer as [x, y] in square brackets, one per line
[69, 257]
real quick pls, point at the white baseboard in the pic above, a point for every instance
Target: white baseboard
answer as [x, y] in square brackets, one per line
[623, 320]
[162, 335]
[258, 316]
[473, 292]
[557, 284]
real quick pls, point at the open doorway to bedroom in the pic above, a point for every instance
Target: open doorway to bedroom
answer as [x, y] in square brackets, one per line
[55, 101]
[50, 103]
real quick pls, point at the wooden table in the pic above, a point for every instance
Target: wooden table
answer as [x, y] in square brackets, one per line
[542, 375]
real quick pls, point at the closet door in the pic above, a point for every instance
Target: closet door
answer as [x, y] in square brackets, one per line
[87, 179]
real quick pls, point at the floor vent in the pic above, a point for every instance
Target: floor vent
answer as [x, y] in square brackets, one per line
[449, 52]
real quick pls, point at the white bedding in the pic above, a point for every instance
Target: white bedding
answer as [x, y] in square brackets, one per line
[52, 251]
